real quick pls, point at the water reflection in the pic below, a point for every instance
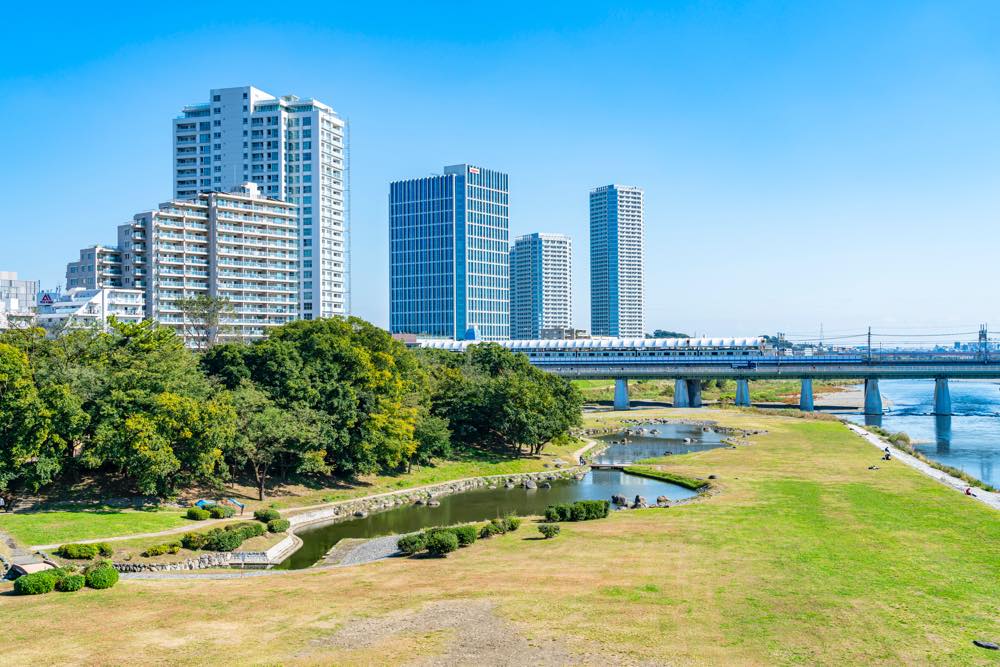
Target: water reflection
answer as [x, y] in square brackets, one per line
[942, 433]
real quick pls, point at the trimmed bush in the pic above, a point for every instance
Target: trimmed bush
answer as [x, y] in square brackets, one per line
[278, 525]
[103, 575]
[266, 514]
[38, 583]
[194, 541]
[441, 543]
[581, 510]
[489, 530]
[511, 523]
[223, 540]
[466, 534]
[71, 583]
[160, 549]
[549, 530]
[221, 511]
[105, 549]
[197, 514]
[248, 529]
[412, 544]
[79, 551]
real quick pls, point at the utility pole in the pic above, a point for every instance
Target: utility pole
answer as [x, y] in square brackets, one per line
[869, 345]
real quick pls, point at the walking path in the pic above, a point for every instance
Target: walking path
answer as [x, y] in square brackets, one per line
[986, 497]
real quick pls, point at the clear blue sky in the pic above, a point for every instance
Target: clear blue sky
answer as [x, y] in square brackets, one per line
[803, 162]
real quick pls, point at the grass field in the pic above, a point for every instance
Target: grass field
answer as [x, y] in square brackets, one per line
[761, 391]
[803, 557]
[50, 527]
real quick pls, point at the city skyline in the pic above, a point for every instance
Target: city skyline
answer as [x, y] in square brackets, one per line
[769, 140]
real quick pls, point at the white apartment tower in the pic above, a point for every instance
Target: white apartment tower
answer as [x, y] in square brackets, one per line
[616, 261]
[541, 284]
[240, 246]
[294, 150]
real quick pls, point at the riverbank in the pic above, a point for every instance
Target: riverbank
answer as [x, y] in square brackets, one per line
[804, 557]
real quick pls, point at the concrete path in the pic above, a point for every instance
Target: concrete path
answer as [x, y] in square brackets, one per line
[986, 497]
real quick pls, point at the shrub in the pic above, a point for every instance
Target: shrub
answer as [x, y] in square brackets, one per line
[70, 583]
[412, 544]
[266, 514]
[37, 583]
[466, 534]
[102, 575]
[105, 549]
[581, 510]
[489, 530]
[277, 525]
[197, 514]
[511, 523]
[223, 540]
[160, 549]
[248, 529]
[549, 530]
[78, 551]
[221, 511]
[194, 541]
[441, 543]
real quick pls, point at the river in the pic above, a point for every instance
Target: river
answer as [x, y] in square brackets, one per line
[484, 503]
[968, 440]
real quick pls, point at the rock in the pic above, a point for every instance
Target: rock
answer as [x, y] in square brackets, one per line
[545, 485]
[545, 465]
[509, 485]
[687, 441]
[559, 464]
[712, 477]
[639, 503]
[360, 514]
[578, 476]
[985, 644]
[662, 500]
[619, 499]
[433, 503]
[530, 484]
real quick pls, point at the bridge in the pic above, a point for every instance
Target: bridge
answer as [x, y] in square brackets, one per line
[690, 361]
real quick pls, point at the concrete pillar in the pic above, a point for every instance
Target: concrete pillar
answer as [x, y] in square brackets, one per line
[873, 399]
[806, 395]
[942, 397]
[694, 393]
[681, 399]
[743, 392]
[621, 394]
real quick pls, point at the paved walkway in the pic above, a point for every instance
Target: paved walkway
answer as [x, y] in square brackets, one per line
[986, 497]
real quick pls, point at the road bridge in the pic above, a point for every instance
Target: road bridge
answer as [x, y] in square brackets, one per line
[690, 361]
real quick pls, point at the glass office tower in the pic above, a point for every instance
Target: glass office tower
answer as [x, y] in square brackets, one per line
[448, 238]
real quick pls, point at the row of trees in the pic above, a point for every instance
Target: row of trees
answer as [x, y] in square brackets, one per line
[134, 409]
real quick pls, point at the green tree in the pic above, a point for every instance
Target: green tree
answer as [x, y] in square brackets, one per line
[206, 319]
[24, 426]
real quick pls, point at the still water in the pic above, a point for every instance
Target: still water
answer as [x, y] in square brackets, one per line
[484, 503]
[968, 440]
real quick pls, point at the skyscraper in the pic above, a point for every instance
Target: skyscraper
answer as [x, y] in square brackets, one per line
[294, 149]
[541, 279]
[616, 261]
[449, 252]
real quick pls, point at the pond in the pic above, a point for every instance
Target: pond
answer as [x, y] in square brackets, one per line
[485, 503]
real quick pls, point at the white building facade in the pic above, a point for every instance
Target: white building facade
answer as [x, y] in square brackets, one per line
[617, 286]
[98, 266]
[541, 285]
[83, 308]
[294, 150]
[238, 246]
[17, 299]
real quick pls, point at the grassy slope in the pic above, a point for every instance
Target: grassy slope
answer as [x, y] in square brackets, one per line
[68, 525]
[805, 557]
[761, 391]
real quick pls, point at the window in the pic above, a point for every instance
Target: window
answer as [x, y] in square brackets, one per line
[218, 98]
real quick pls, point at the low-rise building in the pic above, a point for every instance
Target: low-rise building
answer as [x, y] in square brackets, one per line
[17, 299]
[78, 307]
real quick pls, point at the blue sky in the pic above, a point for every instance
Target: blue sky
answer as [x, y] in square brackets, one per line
[803, 162]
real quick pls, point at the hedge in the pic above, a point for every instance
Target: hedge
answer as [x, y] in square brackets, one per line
[278, 525]
[466, 534]
[266, 514]
[412, 544]
[37, 583]
[221, 511]
[549, 530]
[71, 583]
[441, 543]
[197, 514]
[581, 510]
[160, 549]
[84, 551]
[102, 575]
[223, 539]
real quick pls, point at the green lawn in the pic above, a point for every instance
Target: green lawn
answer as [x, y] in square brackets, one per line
[802, 556]
[60, 526]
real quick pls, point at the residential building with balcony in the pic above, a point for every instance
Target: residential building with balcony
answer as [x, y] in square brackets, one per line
[98, 266]
[17, 299]
[541, 285]
[79, 307]
[617, 287]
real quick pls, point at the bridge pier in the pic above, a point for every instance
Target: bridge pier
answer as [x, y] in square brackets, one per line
[942, 397]
[743, 393]
[681, 398]
[621, 394]
[694, 393]
[873, 399]
[806, 395]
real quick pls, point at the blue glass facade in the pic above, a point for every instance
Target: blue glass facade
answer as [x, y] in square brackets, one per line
[448, 238]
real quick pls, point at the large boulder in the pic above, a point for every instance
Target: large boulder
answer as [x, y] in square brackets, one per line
[619, 500]
[662, 500]
[639, 503]
[530, 484]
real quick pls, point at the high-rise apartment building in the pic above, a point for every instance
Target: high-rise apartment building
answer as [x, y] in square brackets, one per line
[541, 283]
[17, 299]
[240, 246]
[98, 266]
[449, 247]
[295, 150]
[616, 261]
